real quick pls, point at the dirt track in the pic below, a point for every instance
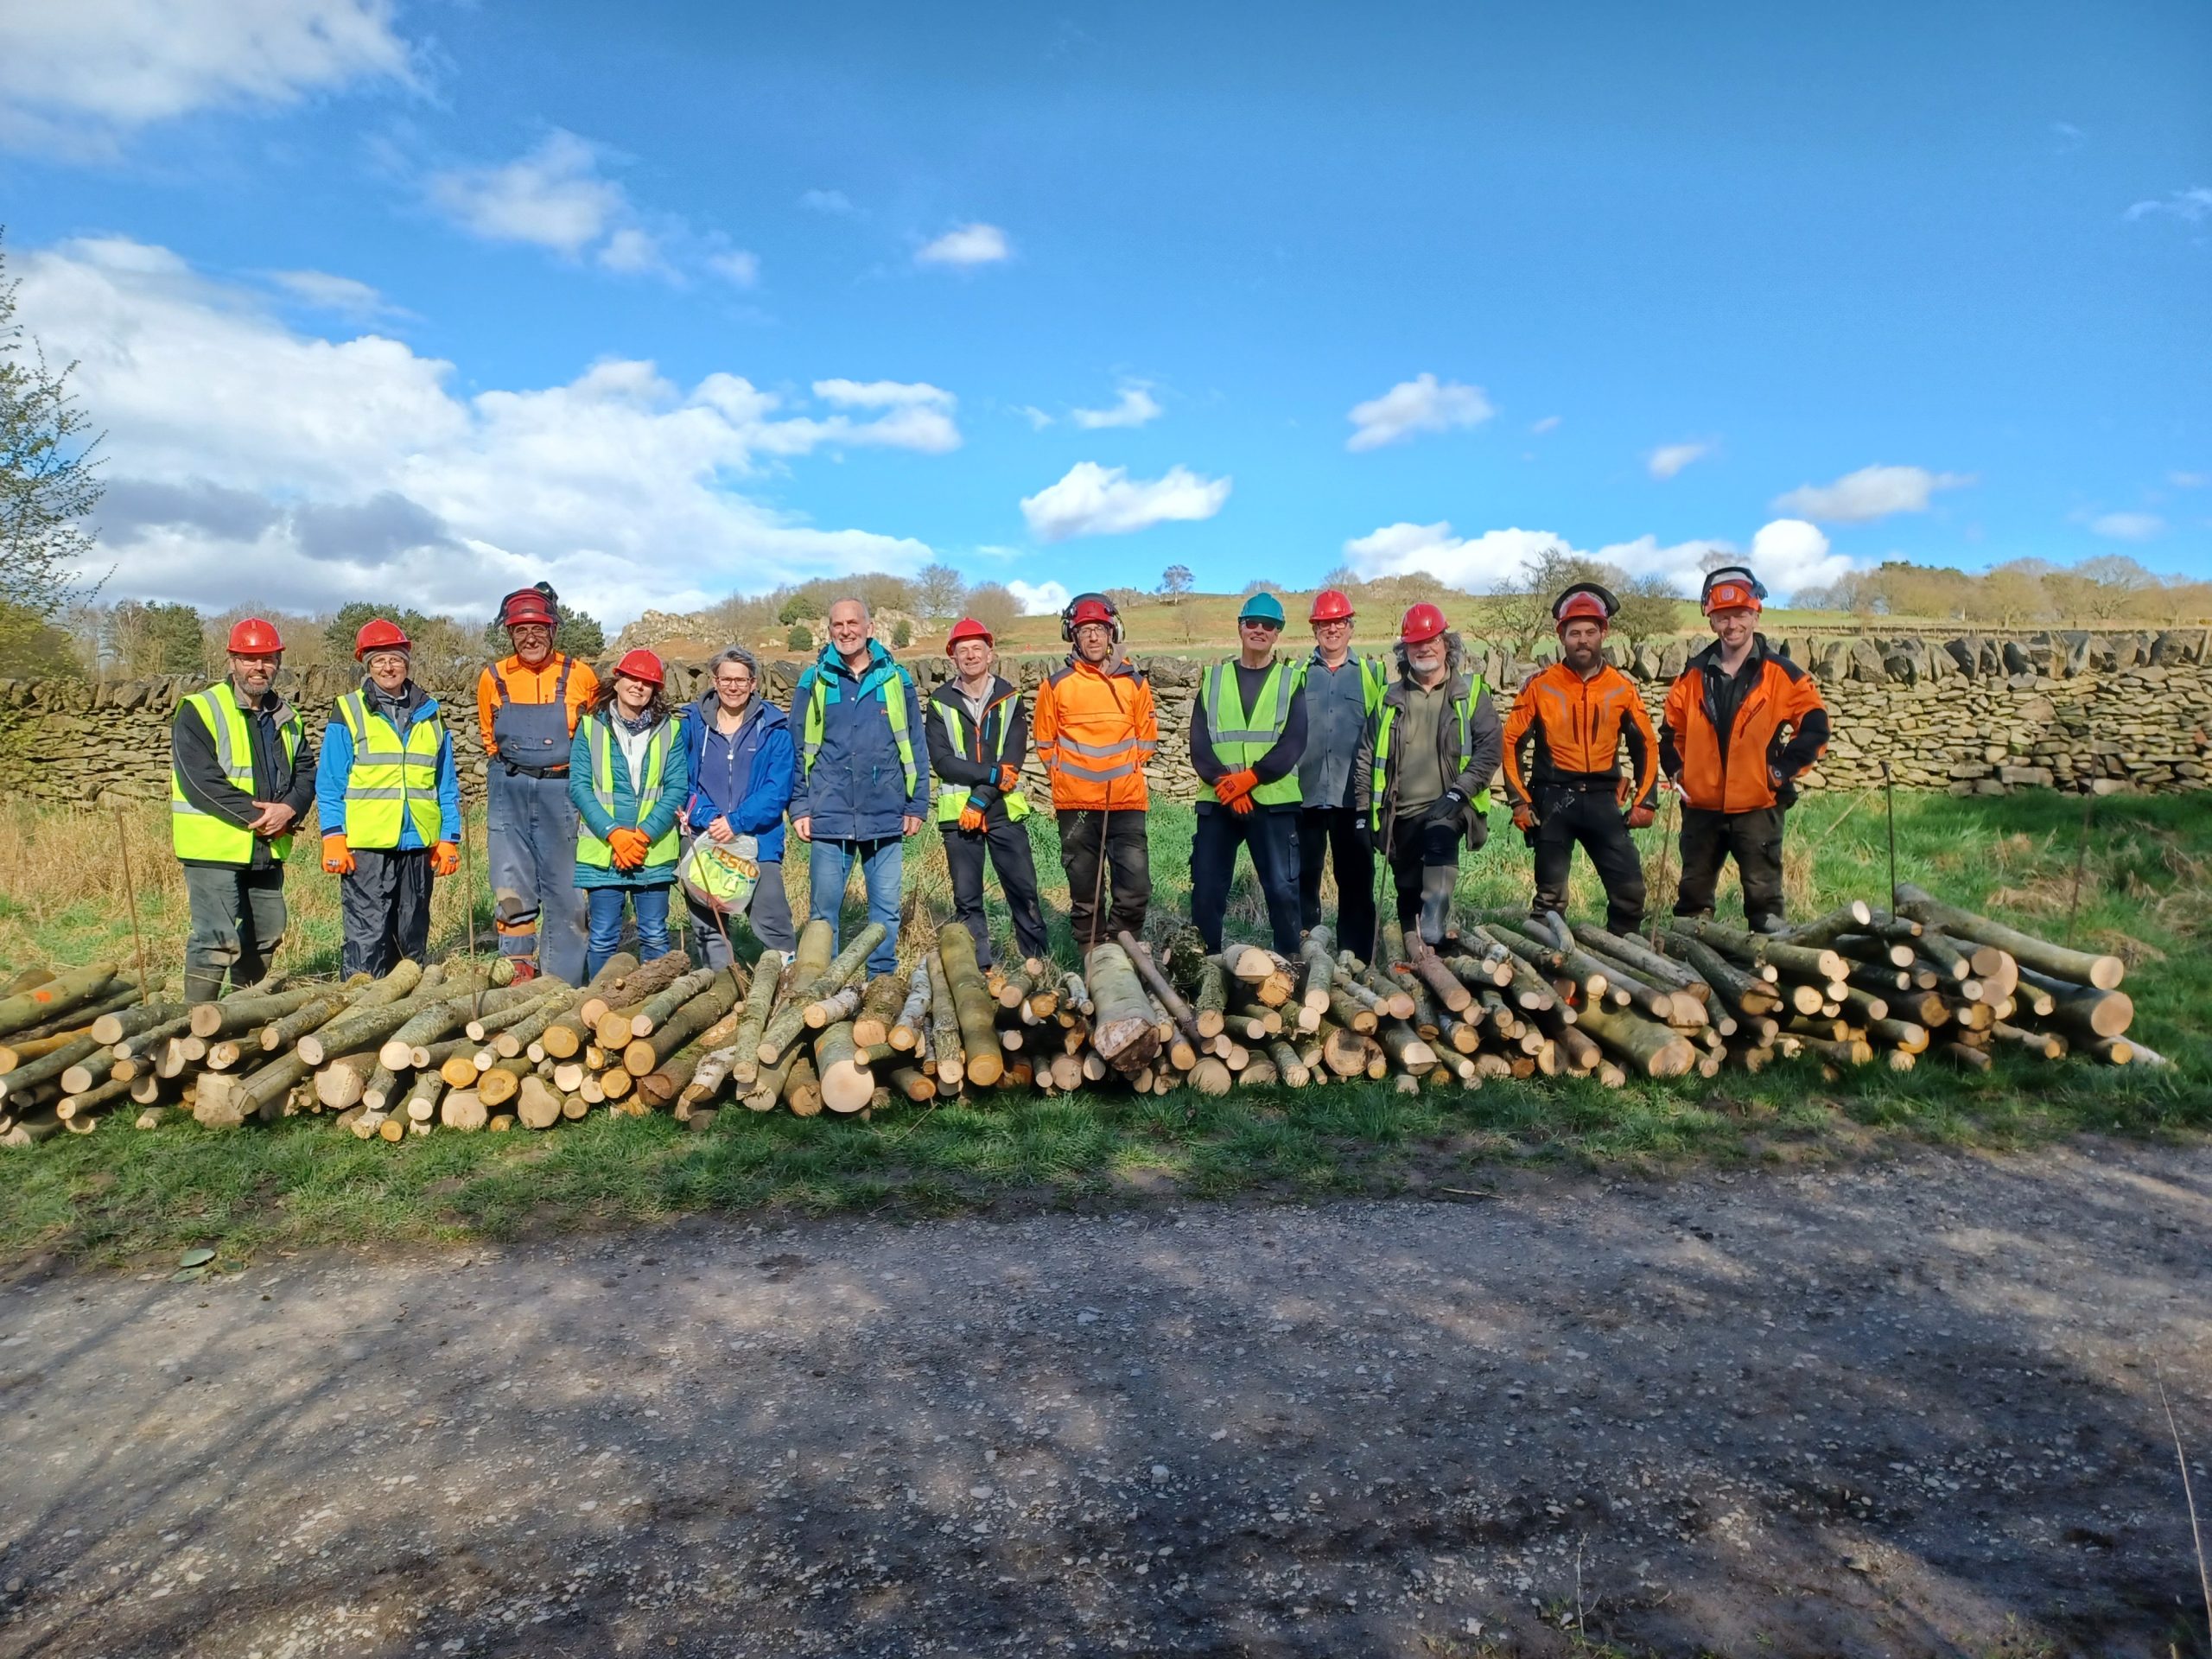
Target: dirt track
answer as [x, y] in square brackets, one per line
[1905, 1408]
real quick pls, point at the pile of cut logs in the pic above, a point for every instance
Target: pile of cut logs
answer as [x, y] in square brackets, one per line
[452, 1046]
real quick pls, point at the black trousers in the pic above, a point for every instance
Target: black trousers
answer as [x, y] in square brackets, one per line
[1128, 886]
[1327, 832]
[1008, 844]
[1417, 841]
[1566, 817]
[386, 906]
[1753, 840]
[1272, 838]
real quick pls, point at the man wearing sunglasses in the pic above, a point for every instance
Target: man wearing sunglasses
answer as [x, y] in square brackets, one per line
[1246, 735]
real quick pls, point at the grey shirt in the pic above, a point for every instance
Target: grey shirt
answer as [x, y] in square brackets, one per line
[1335, 715]
[1421, 769]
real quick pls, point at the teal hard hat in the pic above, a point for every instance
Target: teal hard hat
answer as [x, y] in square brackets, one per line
[1261, 607]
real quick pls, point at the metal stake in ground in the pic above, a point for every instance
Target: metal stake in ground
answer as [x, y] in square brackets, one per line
[130, 893]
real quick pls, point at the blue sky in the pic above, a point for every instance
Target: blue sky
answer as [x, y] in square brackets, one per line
[667, 300]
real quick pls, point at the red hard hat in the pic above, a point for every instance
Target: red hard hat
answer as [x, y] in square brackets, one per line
[377, 634]
[968, 628]
[1330, 606]
[1091, 610]
[251, 633]
[642, 664]
[526, 605]
[1423, 622]
[1585, 599]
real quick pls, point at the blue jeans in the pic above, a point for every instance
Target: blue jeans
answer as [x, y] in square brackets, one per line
[605, 905]
[883, 862]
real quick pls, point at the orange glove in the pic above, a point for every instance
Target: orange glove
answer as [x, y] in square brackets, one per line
[445, 859]
[1640, 817]
[629, 847]
[1241, 805]
[1234, 786]
[1009, 779]
[1524, 818]
[971, 817]
[337, 857]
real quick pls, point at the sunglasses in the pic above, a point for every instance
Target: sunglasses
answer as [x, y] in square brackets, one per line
[1259, 622]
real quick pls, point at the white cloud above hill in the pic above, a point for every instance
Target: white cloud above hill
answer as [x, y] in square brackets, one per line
[1096, 500]
[1787, 553]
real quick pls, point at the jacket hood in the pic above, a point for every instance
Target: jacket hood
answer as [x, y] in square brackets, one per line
[832, 661]
[947, 690]
[1455, 657]
[763, 709]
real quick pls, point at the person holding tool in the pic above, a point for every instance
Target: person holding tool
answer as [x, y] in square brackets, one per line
[1739, 725]
[1342, 692]
[1248, 733]
[978, 734]
[1096, 729]
[1422, 775]
[1576, 714]
[742, 766]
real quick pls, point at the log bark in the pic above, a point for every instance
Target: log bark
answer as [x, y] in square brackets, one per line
[1656, 1051]
[947, 1058]
[2103, 973]
[1851, 917]
[1121, 1033]
[679, 992]
[914, 1011]
[2083, 1012]
[706, 1006]
[972, 1006]
[882, 1000]
[124, 1023]
[49, 1066]
[211, 1021]
[35, 1005]
[1442, 983]
[1209, 1004]
[789, 1019]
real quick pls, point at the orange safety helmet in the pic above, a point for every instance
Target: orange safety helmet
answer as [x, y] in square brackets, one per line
[528, 605]
[1731, 587]
[1331, 606]
[377, 634]
[1584, 600]
[1423, 622]
[642, 664]
[251, 636]
[967, 628]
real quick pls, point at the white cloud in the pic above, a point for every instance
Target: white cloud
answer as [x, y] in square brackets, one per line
[552, 197]
[1038, 419]
[1549, 423]
[372, 474]
[1869, 494]
[2127, 526]
[882, 394]
[834, 203]
[341, 295]
[1039, 597]
[970, 244]
[2191, 207]
[2189, 481]
[1669, 458]
[1789, 554]
[1134, 407]
[81, 76]
[1421, 404]
[634, 252]
[1095, 500]
[736, 267]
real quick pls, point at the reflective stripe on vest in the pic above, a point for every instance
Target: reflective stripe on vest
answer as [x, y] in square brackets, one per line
[202, 836]
[393, 782]
[952, 798]
[894, 712]
[600, 737]
[1240, 740]
[1379, 780]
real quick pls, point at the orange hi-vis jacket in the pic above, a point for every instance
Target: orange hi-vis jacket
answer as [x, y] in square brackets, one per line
[1739, 774]
[1577, 727]
[1094, 730]
[526, 684]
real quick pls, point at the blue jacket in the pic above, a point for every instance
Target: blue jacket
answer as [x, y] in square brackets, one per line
[337, 765]
[658, 815]
[856, 789]
[768, 763]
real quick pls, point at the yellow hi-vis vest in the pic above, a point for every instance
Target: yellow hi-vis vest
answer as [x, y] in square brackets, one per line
[393, 781]
[1240, 739]
[1463, 710]
[952, 798]
[599, 734]
[891, 687]
[202, 836]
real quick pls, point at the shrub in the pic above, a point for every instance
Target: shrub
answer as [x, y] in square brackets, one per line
[800, 637]
[902, 634]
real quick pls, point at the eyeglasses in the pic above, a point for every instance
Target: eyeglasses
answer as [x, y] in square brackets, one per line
[1259, 622]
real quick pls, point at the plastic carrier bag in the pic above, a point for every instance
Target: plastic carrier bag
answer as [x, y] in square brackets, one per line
[718, 878]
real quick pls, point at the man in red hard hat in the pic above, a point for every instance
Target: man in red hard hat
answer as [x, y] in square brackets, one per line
[1576, 714]
[390, 800]
[979, 738]
[527, 705]
[1423, 772]
[1097, 731]
[241, 773]
[1342, 692]
[1740, 723]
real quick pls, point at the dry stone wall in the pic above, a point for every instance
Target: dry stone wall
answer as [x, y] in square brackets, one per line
[1973, 714]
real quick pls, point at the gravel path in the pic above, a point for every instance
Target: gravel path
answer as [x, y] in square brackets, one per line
[1909, 1408]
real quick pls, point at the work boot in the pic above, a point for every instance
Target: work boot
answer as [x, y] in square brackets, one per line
[200, 986]
[1437, 881]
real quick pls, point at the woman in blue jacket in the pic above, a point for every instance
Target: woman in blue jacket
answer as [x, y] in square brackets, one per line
[626, 777]
[742, 766]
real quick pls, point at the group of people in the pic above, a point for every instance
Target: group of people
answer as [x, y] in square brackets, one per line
[604, 798]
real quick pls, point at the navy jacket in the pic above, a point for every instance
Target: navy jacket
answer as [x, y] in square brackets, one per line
[765, 741]
[856, 789]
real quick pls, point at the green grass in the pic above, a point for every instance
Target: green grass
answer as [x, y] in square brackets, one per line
[2146, 894]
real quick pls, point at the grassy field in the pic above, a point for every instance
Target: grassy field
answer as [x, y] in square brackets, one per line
[2145, 894]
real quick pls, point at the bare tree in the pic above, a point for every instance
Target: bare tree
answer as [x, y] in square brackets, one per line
[1176, 581]
[938, 589]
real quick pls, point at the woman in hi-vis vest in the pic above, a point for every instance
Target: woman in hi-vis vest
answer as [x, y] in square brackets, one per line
[628, 778]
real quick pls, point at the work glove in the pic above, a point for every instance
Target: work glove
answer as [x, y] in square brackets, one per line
[972, 816]
[628, 848]
[1009, 779]
[1640, 817]
[337, 857]
[445, 859]
[1241, 805]
[1448, 806]
[1362, 835]
[1234, 786]
[1524, 818]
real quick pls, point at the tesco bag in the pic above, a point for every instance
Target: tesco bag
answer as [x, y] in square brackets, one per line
[719, 877]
